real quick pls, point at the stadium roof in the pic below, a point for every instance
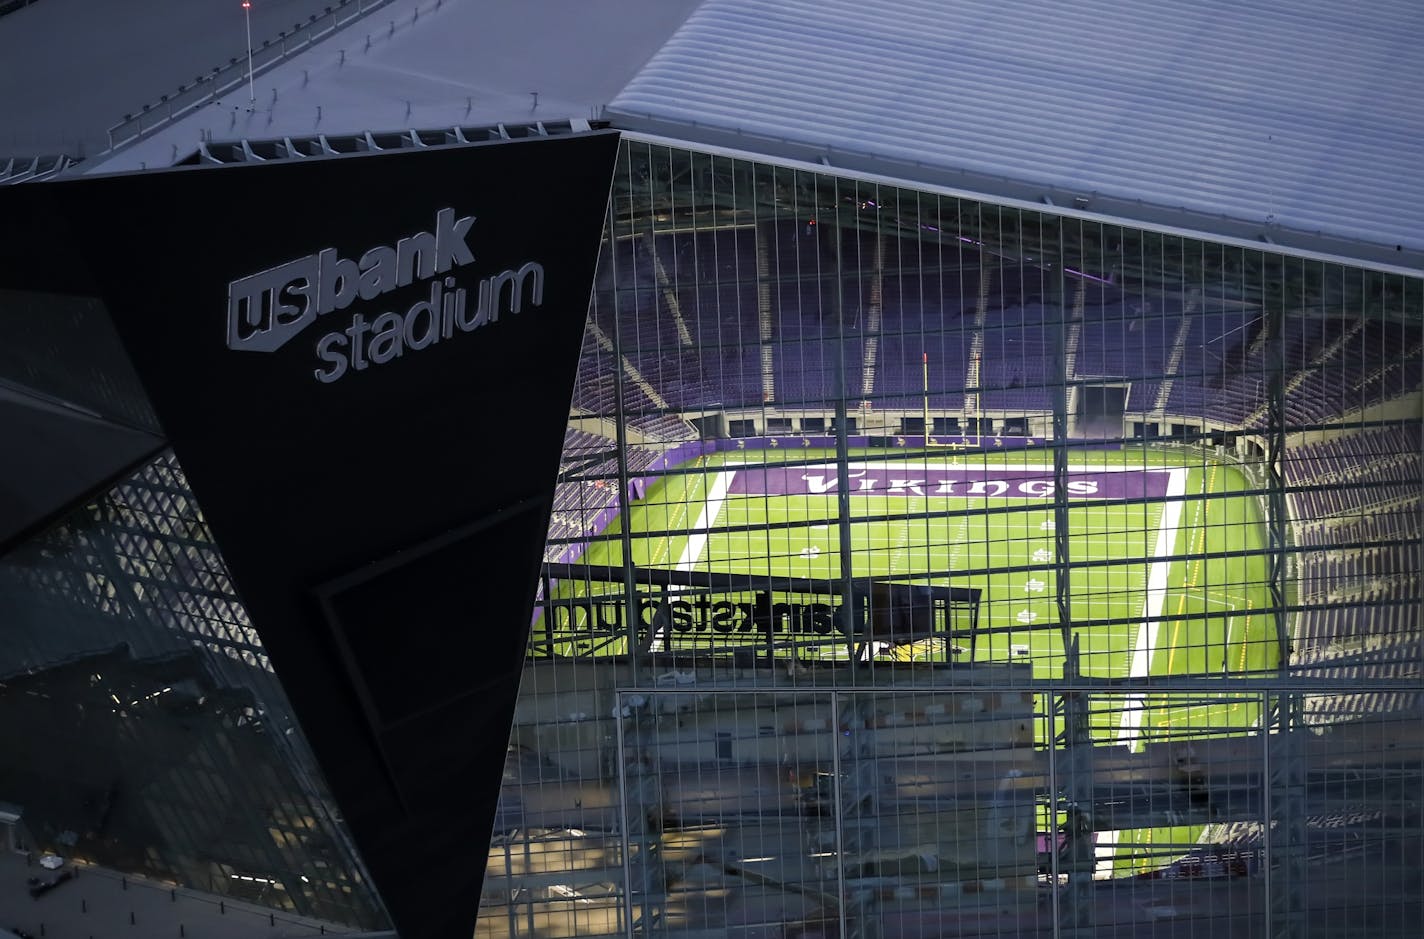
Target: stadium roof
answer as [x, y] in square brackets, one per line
[1292, 123]
[73, 67]
[418, 64]
[1278, 117]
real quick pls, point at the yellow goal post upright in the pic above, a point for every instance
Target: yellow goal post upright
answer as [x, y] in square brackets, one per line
[925, 399]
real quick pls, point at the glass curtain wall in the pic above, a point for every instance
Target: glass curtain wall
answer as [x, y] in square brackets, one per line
[145, 735]
[923, 566]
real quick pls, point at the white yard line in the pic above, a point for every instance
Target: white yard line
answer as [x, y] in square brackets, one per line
[1157, 575]
[697, 541]
[711, 508]
[1135, 705]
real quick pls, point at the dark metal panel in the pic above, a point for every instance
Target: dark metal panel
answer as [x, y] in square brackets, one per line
[308, 334]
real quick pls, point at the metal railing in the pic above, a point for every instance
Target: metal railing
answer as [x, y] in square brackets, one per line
[225, 78]
[32, 168]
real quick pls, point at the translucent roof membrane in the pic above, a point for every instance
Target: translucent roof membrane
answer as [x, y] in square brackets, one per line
[1298, 118]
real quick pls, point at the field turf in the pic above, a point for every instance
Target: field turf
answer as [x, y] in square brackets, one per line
[1165, 571]
[1142, 599]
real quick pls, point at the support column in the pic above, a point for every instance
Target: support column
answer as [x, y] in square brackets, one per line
[847, 569]
[620, 426]
[1285, 774]
[641, 804]
[1074, 743]
[1278, 519]
[1061, 591]
[1072, 793]
[1285, 817]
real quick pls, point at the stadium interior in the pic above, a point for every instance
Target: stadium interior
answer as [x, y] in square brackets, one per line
[923, 562]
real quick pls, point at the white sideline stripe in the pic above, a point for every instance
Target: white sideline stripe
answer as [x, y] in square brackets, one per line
[1156, 594]
[1129, 730]
[697, 541]
[711, 508]
[1105, 848]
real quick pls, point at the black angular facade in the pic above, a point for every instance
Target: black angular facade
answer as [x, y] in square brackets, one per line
[361, 525]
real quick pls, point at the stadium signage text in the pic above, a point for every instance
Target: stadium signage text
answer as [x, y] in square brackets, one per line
[971, 482]
[942, 485]
[702, 615]
[267, 309]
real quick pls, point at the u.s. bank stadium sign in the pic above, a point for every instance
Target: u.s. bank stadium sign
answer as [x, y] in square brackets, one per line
[760, 614]
[268, 309]
[716, 604]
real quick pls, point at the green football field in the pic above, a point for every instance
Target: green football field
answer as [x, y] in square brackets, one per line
[1142, 599]
[1138, 610]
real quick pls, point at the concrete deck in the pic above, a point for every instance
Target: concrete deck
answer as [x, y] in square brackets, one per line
[98, 904]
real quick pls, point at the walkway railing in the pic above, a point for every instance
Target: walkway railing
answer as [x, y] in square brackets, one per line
[31, 168]
[225, 78]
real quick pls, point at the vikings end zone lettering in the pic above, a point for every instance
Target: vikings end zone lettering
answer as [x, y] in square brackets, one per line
[892, 479]
[327, 369]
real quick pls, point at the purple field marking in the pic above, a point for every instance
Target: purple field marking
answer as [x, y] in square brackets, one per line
[1155, 486]
[891, 480]
[1151, 484]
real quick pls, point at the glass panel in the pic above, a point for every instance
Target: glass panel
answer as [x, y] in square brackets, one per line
[1065, 661]
[145, 733]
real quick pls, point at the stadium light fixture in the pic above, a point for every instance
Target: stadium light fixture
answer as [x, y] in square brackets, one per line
[247, 15]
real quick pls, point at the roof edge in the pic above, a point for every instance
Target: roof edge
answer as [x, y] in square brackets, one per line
[1093, 206]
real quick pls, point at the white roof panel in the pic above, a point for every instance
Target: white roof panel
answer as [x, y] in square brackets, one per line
[431, 64]
[1304, 115]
